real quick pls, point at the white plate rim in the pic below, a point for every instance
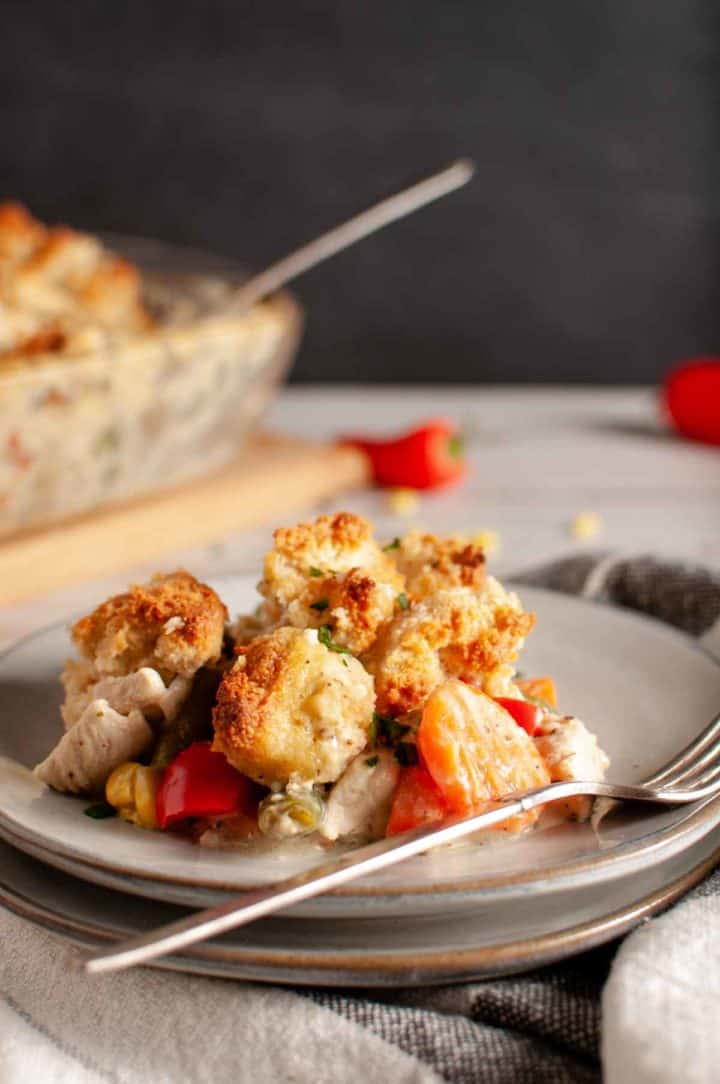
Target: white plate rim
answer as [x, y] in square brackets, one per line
[344, 903]
[379, 968]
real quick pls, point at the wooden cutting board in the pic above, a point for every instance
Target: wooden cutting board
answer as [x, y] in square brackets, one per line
[273, 475]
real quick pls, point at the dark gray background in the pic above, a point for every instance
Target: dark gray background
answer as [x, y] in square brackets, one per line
[586, 248]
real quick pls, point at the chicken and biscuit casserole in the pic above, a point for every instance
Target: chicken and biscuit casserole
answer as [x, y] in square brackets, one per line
[109, 371]
[372, 690]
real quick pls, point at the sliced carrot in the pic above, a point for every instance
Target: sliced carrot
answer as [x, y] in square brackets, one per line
[418, 800]
[540, 688]
[476, 752]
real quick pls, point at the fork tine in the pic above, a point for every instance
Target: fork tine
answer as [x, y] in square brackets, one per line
[682, 763]
[706, 758]
[691, 794]
[701, 778]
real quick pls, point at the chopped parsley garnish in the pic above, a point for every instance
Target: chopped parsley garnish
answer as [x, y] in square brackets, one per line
[100, 812]
[402, 601]
[386, 730]
[325, 638]
[344, 662]
[394, 545]
[321, 604]
[372, 761]
[406, 753]
[315, 571]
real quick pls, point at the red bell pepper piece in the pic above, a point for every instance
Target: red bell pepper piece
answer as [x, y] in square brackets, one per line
[418, 800]
[691, 396]
[528, 716]
[425, 458]
[201, 783]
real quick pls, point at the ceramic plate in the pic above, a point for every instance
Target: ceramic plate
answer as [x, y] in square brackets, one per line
[526, 933]
[646, 690]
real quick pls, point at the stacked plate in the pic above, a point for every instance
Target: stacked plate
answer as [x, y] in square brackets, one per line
[452, 914]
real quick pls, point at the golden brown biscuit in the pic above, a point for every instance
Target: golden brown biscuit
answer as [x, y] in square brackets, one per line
[331, 572]
[60, 289]
[20, 233]
[174, 623]
[452, 633]
[112, 294]
[431, 564]
[291, 708]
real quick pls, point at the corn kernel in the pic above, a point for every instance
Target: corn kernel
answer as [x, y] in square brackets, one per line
[586, 525]
[403, 502]
[132, 789]
[120, 785]
[488, 541]
[147, 781]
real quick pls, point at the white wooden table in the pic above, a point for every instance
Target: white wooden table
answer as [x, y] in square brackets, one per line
[539, 457]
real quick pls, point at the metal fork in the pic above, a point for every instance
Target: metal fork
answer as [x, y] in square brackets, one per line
[691, 776]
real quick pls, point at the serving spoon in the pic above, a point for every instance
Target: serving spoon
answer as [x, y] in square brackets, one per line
[348, 233]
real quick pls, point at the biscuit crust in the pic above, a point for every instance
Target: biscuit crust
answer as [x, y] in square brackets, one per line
[174, 624]
[451, 633]
[431, 564]
[59, 288]
[291, 709]
[330, 572]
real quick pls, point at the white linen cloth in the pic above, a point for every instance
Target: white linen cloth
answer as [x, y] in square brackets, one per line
[660, 1003]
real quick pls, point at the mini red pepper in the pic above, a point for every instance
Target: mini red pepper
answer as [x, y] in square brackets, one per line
[425, 458]
[201, 783]
[528, 716]
[691, 395]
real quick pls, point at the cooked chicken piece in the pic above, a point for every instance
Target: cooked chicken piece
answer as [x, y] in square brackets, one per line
[291, 708]
[144, 690]
[431, 564]
[571, 752]
[173, 624]
[168, 702]
[193, 720]
[99, 741]
[359, 803]
[330, 572]
[77, 679]
[452, 633]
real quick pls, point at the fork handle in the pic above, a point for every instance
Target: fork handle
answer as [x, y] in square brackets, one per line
[239, 911]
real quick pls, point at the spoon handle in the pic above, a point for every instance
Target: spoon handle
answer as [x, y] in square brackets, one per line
[342, 236]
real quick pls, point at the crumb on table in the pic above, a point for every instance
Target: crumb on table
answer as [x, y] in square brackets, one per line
[402, 501]
[586, 525]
